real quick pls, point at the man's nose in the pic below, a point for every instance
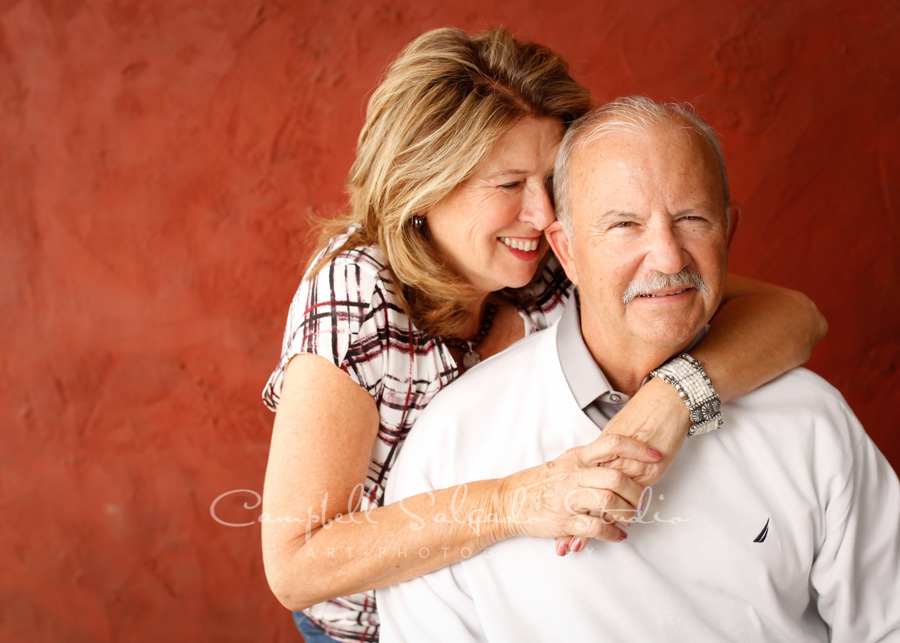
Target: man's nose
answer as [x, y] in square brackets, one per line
[665, 250]
[538, 209]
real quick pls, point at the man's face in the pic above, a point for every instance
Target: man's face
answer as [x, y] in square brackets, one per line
[645, 205]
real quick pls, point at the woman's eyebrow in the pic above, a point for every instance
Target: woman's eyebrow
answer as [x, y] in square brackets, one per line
[503, 171]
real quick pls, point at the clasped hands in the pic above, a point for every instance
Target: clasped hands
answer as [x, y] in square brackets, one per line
[595, 490]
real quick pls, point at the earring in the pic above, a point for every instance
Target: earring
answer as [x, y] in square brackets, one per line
[418, 221]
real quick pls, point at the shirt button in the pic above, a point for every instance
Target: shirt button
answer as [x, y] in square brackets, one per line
[615, 397]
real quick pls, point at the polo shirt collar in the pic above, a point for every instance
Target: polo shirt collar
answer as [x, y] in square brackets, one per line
[587, 382]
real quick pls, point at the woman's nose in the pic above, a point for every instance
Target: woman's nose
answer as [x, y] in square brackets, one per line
[538, 209]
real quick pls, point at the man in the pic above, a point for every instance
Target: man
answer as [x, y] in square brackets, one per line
[783, 526]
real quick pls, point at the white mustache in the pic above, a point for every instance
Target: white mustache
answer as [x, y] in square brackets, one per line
[653, 281]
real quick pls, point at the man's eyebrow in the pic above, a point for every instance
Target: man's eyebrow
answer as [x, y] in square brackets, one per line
[625, 214]
[606, 218]
[617, 214]
[704, 207]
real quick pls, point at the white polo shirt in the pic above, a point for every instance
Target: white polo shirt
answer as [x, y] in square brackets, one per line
[783, 526]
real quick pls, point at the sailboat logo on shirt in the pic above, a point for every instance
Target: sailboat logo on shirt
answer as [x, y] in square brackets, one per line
[762, 535]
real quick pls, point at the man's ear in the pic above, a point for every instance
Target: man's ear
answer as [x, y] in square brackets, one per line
[734, 217]
[559, 241]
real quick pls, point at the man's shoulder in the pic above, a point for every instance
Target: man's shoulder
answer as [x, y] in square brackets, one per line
[466, 426]
[797, 388]
[517, 367]
[487, 389]
[799, 406]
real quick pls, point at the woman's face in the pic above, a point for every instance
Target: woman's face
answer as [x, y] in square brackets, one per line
[490, 228]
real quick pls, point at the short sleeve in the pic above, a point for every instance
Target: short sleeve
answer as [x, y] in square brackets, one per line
[335, 314]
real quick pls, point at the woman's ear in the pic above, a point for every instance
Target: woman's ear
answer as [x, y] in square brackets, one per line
[559, 242]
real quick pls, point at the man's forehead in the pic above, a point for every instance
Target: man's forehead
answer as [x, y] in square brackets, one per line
[671, 136]
[632, 156]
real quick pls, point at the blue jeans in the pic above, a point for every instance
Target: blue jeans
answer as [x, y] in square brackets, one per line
[311, 633]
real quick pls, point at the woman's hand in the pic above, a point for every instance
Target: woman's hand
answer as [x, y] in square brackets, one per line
[655, 416]
[321, 446]
[575, 494]
[759, 332]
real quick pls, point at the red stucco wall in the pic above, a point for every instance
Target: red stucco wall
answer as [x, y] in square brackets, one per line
[158, 165]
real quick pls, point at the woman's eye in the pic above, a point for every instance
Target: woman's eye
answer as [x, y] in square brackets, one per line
[509, 186]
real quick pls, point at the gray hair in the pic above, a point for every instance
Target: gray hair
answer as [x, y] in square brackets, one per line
[632, 113]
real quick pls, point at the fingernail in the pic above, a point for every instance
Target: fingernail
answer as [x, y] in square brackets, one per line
[654, 453]
[562, 548]
[577, 545]
[622, 535]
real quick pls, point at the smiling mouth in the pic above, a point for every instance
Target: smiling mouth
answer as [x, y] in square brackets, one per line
[668, 294]
[517, 244]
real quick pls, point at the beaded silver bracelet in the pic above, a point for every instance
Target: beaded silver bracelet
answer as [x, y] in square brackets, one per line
[693, 386]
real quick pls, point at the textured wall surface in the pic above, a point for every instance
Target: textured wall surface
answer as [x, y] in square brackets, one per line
[159, 162]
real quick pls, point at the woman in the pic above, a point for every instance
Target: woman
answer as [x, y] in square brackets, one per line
[441, 262]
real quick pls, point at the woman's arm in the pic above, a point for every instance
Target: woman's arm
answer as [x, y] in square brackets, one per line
[324, 431]
[759, 332]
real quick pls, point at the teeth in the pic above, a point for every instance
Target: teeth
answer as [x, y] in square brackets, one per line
[667, 295]
[528, 246]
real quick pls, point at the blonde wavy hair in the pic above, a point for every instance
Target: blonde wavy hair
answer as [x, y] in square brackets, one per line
[433, 120]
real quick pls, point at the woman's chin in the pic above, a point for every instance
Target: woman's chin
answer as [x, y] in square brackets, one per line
[519, 280]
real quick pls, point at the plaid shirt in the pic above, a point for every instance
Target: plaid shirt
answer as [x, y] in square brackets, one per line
[348, 313]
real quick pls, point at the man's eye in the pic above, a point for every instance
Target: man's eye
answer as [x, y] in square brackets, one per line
[623, 224]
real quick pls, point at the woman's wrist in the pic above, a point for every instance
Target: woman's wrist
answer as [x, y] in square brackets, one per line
[658, 417]
[687, 377]
[677, 415]
[655, 410]
[508, 503]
